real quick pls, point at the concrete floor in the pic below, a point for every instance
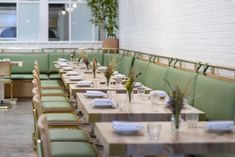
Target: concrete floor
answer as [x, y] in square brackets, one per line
[16, 127]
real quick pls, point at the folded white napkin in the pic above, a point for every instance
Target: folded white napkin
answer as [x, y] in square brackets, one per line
[117, 76]
[62, 64]
[103, 102]
[75, 78]
[67, 68]
[219, 125]
[159, 93]
[62, 60]
[102, 68]
[84, 83]
[126, 127]
[72, 73]
[137, 84]
[95, 94]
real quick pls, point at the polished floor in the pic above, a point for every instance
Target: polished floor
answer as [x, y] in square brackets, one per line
[16, 126]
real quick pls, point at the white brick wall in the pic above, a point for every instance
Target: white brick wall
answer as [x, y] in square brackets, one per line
[198, 30]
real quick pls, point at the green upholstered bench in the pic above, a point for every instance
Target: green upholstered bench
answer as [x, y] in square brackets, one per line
[141, 66]
[215, 97]
[125, 64]
[183, 79]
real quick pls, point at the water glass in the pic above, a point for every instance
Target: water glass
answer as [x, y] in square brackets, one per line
[118, 81]
[192, 119]
[140, 90]
[154, 99]
[153, 130]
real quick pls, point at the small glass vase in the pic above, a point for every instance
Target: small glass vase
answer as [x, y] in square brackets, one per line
[94, 73]
[108, 82]
[130, 97]
[176, 123]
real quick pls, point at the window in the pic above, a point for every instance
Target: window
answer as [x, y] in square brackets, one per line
[8, 21]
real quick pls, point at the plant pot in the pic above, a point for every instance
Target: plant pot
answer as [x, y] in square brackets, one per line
[111, 43]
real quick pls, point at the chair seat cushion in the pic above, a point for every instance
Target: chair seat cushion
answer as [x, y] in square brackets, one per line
[54, 76]
[28, 76]
[72, 149]
[67, 135]
[61, 117]
[57, 106]
[52, 91]
[50, 82]
[54, 99]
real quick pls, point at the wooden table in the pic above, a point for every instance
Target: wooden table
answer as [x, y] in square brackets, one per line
[2, 85]
[186, 141]
[140, 110]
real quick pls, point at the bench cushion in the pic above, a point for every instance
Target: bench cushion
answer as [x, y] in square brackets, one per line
[108, 57]
[28, 60]
[97, 55]
[182, 79]
[215, 97]
[28, 76]
[125, 64]
[54, 76]
[141, 67]
[155, 76]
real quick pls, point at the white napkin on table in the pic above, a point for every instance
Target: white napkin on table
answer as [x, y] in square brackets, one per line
[95, 94]
[62, 64]
[67, 68]
[117, 76]
[159, 93]
[72, 73]
[103, 102]
[219, 125]
[137, 84]
[62, 60]
[84, 83]
[102, 68]
[121, 126]
[75, 78]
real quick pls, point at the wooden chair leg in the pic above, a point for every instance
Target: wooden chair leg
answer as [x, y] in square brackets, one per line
[11, 91]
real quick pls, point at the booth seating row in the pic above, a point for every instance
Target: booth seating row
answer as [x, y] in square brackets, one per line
[213, 96]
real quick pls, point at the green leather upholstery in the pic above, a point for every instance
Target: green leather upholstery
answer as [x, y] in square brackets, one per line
[51, 105]
[97, 55]
[28, 76]
[108, 57]
[54, 57]
[52, 91]
[182, 79]
[50, 82]
[67, 135]
[141, 67]
[72, 149]
[28, 60]
[125, 64]
[54, 98]
[54, 76]
[215, 97]
[61, 117]
[155, 76]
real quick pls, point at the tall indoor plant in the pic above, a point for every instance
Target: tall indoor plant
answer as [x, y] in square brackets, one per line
[104, 15]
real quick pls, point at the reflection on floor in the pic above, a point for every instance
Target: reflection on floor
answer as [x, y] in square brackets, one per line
[16, 126]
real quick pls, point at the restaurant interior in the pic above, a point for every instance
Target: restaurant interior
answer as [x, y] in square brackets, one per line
[117, 78]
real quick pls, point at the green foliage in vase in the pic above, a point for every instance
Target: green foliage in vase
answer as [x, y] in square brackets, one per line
[130, 82]
[94, 66]
[104, 14]
[109, 71]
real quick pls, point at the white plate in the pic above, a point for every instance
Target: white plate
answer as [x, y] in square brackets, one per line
[94, 94]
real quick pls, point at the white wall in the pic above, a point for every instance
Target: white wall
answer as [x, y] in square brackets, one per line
[199, 30]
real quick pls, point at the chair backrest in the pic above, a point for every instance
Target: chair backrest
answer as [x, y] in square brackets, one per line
[5, 69]
[44, 135]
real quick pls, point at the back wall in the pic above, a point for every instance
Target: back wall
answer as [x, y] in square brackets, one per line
[198, 30]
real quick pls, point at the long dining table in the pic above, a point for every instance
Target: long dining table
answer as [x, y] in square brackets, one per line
[198, 140]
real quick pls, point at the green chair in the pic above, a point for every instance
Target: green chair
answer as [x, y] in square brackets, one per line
[65, 148]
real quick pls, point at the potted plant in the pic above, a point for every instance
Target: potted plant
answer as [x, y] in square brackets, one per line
[104, 15]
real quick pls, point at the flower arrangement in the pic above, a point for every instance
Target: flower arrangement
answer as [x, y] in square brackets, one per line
[72, 55]
[130, 83]
[81, 56]
[94, 66]
[86, 62]
[109, 71]
[176, 102]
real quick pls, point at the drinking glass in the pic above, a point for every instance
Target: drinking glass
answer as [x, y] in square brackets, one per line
[153, 130]
[140, 90]
[192, 119]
